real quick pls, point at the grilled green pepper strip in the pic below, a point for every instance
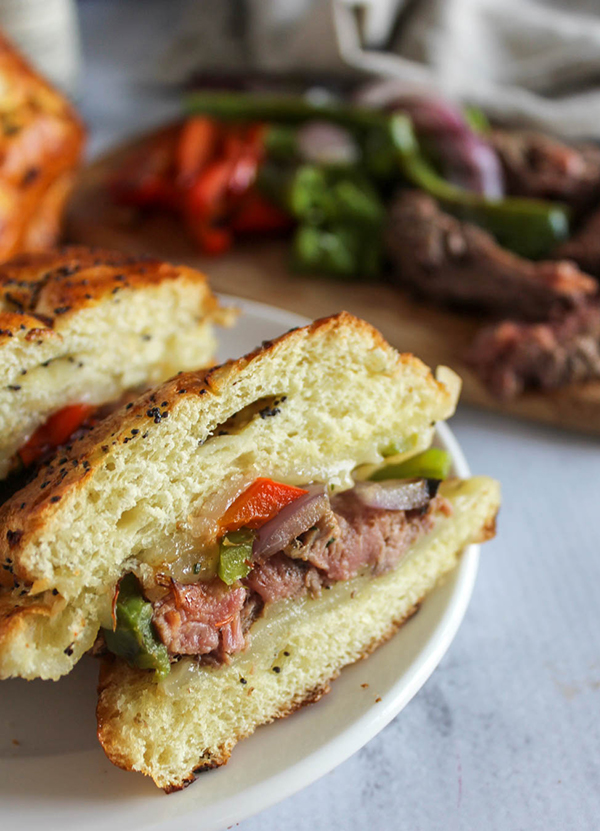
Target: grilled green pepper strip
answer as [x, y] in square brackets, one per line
[238, 106]
[133, 637]
[370, 127]
[320, 194]
[235, 555]
[326, 251]
[340, 217]
[477, 119]
[529, 227]
[430, 464]
[281, 143]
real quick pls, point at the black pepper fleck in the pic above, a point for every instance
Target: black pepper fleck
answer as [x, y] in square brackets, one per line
[14, 387]
[55, 499]
[30, 176]
[267, 412]
[13, 537]
[54, 592]
[69, 649]
[243, 681]
[60, 310]
[134, 431]
[276, 669]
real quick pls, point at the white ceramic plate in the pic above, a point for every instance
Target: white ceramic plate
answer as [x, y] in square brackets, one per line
[54, 775]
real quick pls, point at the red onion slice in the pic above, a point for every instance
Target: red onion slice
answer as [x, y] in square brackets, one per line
[396, 494]
[290, 522]
[467, 159]
[324, 143]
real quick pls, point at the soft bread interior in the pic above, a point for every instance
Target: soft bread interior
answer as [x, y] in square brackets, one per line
[193, 719]
[135, 337]
[342, 395]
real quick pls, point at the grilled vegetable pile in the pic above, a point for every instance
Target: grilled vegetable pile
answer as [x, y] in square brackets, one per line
[323, 172]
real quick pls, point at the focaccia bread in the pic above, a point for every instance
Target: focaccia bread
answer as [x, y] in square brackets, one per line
[79, 326]
[310, 407]
[41, 143]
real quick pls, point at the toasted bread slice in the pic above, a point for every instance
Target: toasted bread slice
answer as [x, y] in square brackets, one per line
[84, 326]
[307, 407]
[190, 721]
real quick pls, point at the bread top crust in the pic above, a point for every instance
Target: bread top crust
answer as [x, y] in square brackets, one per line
[42, 291]
[41, 143]
[38, 126]
[30, 509]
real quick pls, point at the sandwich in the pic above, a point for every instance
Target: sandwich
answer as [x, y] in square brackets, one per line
[79, 329]
[235, 538]
[41, 144]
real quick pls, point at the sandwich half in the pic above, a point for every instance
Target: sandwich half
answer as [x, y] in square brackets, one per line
[234, 538]
[79, 328]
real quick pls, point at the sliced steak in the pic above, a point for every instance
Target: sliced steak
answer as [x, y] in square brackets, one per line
[456, 263]
[543, 167]
[200, 618]
[584, 246]
[370, 537]
[511, 358]
[280, 577]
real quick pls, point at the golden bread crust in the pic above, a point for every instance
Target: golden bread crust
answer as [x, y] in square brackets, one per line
[47, 288]
[41, 142]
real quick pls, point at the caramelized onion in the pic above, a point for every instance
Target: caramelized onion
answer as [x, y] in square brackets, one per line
[322, 142]
[396, 494]
[293, 520]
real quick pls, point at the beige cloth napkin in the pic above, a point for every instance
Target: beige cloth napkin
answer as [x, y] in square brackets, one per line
[532, 61]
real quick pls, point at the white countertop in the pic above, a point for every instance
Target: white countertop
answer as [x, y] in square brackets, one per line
[506, 733]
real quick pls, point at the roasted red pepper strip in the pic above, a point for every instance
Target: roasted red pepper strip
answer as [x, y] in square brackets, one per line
[146, 179]
[258, 504]
[56, 431]
[196, 147]
[258, 216]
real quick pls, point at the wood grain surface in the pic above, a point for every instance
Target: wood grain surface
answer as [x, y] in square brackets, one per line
[259, 271]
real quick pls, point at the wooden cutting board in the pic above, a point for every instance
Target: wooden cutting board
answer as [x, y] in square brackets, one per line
[259, 271]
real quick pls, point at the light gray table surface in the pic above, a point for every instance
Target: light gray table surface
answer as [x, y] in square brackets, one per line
[506, 733]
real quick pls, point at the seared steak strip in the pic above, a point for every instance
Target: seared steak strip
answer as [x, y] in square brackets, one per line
[539, 166]
[210, 619]
[513, 357]
[584, 246]
[456, 263]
